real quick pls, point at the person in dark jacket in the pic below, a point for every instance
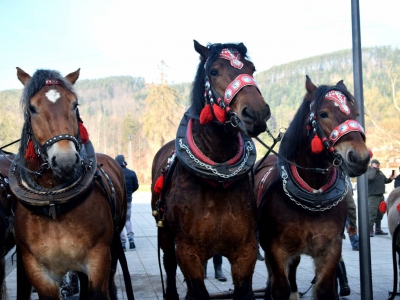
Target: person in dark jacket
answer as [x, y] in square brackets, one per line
[132, 185]
[376, 189]
[397, 180]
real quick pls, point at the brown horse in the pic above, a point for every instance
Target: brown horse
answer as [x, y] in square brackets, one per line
[300, 193]
[206, 205]
[71, 202]
[6, 220]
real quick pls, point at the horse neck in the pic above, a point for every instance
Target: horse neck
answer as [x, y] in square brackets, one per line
[321, 161]
[218, 142]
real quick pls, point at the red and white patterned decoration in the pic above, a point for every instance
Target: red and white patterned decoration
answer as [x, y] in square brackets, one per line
[236, 85]
[233, 56]
[339, 99]
[345, 128]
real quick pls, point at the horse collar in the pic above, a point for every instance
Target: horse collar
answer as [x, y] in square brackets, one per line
[60, 199]
[200, 165]
[308, 198]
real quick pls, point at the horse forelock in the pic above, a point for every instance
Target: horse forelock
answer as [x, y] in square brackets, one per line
[292, 141]
[35, 84]
[197, 97]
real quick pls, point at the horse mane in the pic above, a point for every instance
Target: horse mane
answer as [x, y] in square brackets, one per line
[293, 139]
[34, 85]
[197, 96]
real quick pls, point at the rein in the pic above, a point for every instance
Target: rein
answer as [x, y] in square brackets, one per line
[336, 162]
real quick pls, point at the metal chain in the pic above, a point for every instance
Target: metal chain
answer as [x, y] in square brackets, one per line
[249, 148]
[284, 181]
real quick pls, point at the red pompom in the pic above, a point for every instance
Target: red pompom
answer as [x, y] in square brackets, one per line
[382, 207]
[398, 207]
[316, 145]
[159, 184]
[83, 132]
[220, 113]
[370, 153]
[30, 153]
[206, 115]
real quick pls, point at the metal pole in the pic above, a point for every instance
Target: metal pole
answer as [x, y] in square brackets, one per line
[362, 184]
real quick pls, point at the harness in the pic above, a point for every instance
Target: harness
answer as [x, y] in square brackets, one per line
[7, 219]
[60, 199]
[201, 166]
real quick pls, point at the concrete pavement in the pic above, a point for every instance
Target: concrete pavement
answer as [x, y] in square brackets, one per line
[145, 275]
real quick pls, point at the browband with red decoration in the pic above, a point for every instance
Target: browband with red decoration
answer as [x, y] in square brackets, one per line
[233, 56]
[52, 82]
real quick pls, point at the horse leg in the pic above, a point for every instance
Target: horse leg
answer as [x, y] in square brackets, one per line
[192, 267]
[292, 269]
[3, 288]
[46, 286]
[243, 262]
[99, 272]
[166, 242]
[24, 287]
[325, 268]
[280, 286]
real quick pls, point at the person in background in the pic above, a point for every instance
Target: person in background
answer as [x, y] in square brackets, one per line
[397, 180]
[217, 260]
[376, 189]
[351, 219]
[132, 185]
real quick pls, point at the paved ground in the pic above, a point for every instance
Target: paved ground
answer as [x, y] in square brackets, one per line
[143, 264]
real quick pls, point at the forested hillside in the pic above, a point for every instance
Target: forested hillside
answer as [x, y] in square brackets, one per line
[126, 115]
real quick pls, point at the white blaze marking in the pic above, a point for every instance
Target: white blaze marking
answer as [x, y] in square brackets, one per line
[52, 95]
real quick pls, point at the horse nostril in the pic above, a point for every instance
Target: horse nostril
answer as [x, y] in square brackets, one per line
[77, 158]
[267, 113]
[53, 161]
[246, 113]
[352, 157]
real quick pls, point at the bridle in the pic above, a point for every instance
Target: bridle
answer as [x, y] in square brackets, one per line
[41, 150]
[339, 131]
[210, 94]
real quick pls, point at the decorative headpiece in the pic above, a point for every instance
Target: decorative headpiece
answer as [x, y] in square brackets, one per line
[339, 99]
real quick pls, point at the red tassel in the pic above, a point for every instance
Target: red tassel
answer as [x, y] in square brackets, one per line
[159, 184]
[220, 113]
[398, 207]
[382, 207]
[371, 155]
[316, 145]
[30, 153]
[206, 115]
[83, 132]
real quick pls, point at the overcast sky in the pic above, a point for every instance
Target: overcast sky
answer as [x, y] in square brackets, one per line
[107, 38]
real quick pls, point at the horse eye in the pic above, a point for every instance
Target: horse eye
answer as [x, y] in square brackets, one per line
[75, 105]
[32, 109]
[214, 72]
[323, 115]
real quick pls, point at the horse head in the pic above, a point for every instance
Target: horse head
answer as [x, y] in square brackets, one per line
[225, 70]
[51, 129]
[333, 127]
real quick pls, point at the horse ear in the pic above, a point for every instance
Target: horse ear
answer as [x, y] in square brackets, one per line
[310, 87]
[203, 51]
[341, 84]
[23, 77]
[73, 77]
